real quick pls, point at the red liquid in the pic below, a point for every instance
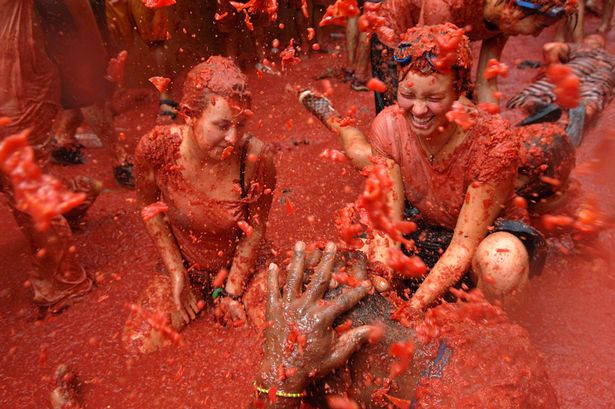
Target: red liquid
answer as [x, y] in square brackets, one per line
[568, 310]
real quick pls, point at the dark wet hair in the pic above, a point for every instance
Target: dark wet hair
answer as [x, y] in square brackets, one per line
[421, 51]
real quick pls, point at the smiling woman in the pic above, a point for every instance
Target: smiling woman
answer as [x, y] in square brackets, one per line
[216, 185]
[455, 170]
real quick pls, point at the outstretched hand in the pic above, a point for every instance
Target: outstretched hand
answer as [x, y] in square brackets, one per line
[300, 343]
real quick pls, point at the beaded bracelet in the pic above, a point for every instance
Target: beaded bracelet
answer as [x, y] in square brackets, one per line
[217, 292]
[279, 393]
[221, 292]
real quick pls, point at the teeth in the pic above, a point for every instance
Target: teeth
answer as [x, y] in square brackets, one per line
[421, 121]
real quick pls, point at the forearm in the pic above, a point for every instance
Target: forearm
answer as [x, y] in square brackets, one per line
[162, 236]
[243, 262]
[453, 264]
[491, 48]
[354, 143]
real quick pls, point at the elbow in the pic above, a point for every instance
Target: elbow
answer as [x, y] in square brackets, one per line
[359, 155]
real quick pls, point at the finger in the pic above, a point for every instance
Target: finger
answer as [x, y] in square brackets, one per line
[194, 305]
[346, 345]
[273, 288]
[320, 280]
[190, 313]
[184, 315]
[294, 281]
[313, 258]
[346, 301]
[358, 262]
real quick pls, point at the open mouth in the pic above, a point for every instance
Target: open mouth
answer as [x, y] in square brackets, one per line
[422, 122]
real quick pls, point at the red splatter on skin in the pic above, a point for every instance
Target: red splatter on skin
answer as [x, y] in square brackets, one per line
[245, 227]
[226, 152]
[374, 84]
[495, 69]
[403, 351]
[156, 4]
[161, 83]
[333, 155]
[460, 116]
[341, 402]
[408, 267]
[343, 327]
[370, 21]
[338, 13]
[566, 85]
[41, 196]
[373, 201]
[116, 68]
[152, 210]
[346, 279]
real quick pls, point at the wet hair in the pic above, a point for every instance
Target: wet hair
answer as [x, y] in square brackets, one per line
[216, 76]
[545, 151]
[422, 51]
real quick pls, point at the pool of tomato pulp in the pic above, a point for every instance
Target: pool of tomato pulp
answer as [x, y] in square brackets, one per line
[567, 310]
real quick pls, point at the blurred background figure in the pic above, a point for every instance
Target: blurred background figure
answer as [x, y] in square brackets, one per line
[76, 47]
[30, 98]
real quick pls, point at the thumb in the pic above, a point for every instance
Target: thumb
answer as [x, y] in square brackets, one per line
[347, 344]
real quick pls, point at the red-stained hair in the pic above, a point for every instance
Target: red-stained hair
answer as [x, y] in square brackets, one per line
[216, 76]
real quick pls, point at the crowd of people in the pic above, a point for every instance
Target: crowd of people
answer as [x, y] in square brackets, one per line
[451, 193]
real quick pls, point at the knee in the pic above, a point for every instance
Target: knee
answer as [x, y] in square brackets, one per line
[501, 264]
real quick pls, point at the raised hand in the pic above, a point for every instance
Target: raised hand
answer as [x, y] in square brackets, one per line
[300, 343]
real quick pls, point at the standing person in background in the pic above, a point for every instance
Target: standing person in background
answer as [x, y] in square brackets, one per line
[358, 44]
[130, 21]
[75, 45]
[29, 98]
[491, 21]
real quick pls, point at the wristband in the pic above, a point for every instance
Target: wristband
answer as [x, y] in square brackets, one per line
[279, 393]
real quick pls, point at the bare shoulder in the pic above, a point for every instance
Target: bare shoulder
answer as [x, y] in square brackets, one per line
[155, 145]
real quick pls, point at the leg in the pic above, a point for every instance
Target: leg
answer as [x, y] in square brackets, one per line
[67, 150]
[501, 265]
[607, 16]
[352, 34]
[58, 278]
[577, 29]
[383, 68]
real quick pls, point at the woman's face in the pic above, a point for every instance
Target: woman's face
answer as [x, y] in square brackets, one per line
[220, 125]
[425, 100]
